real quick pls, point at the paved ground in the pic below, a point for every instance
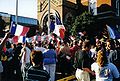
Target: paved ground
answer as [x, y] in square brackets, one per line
[14, 78]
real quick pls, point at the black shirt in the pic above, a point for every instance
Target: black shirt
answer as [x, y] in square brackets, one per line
[83, 59]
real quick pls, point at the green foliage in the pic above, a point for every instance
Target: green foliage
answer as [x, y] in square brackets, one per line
[82, 22]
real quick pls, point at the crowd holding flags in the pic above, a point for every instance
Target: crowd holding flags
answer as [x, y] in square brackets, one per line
[19, 32]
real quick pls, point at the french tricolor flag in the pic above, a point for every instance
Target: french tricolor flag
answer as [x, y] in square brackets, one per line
[59, 31]
[19, 39]
[18, 30]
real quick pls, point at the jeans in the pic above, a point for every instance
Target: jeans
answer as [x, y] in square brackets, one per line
[23, 71]
[51, 68]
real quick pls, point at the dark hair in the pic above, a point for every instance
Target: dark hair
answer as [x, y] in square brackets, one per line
[36, 57]
[112, 43]
[76, 42]
[101, 58]
[86, 43]
[51, 46]
[8, 44]
[39, 43]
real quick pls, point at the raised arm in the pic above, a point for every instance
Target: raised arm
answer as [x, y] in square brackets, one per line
[4, 40]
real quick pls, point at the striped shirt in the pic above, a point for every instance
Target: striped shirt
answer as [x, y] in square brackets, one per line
[36, 74]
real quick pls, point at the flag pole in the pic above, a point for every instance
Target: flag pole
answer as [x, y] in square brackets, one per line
[16, 17]
[48, 17]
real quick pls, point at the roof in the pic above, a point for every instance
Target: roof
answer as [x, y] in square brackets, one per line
[25, 20]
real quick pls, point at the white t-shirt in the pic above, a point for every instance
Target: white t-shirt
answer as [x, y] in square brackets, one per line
[105, 73]
[27, 59]
[42, 49]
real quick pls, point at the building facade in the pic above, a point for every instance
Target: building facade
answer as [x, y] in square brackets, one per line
[66, 10]
[63, 9]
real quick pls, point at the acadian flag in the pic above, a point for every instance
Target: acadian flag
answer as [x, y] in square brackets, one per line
[113, 32]
[18, 30]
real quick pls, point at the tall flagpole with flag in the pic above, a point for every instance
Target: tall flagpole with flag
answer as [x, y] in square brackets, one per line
[48, 17]
[16, 18]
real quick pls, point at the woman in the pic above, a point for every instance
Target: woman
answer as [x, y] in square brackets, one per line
[104, 70]
[83, 62]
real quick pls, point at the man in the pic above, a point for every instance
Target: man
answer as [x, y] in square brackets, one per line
[64, 59]
[36, 72]
[83, 62]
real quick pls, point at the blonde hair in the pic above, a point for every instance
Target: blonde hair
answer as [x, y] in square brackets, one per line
[101, 58]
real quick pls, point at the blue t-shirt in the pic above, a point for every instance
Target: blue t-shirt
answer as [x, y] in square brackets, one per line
[49, 57]
[105, 73]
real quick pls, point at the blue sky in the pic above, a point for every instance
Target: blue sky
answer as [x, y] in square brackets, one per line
[26, 8]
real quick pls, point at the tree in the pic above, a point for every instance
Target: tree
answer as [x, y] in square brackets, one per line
[83, 22]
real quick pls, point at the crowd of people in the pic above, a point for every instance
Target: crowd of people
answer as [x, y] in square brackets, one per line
[40, 60]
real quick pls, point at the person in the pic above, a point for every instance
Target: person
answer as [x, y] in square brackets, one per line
[16, 61]
[49, 61]
[25, 58]
[73, 49]
[104, 70]
[2, 44]
[64, 57]
[94, 52]
[113, 55]
[8, 64]
[3, 41]
[83, 62]
[39, 47]
[36, 72]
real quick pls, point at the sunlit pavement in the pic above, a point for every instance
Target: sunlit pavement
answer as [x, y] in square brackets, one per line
[59, 77]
